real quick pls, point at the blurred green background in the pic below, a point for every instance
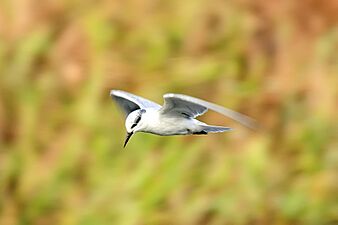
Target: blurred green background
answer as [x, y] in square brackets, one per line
[61, 136]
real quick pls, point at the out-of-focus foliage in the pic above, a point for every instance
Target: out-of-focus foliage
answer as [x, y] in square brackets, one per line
[61, 136]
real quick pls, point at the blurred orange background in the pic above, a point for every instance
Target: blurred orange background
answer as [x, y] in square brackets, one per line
[61, 136]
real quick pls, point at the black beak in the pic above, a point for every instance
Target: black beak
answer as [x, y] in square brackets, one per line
[127, 138]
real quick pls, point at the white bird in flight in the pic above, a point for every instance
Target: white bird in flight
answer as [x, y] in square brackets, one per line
[175, 117]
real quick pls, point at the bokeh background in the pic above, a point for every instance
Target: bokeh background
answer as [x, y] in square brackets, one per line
[61, 136]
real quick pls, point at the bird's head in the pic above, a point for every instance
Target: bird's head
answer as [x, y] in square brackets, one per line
[133, 123]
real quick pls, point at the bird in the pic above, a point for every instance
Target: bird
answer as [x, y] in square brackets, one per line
[177, 116]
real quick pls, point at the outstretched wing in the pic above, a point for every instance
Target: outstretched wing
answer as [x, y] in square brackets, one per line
[186, 105]
[176, 104]
[129, 102]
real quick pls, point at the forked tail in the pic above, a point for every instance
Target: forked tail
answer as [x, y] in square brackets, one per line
[214, 129]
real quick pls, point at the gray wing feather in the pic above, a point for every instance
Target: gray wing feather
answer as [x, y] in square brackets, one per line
[199, 104]
[179, 105]
[129, 102]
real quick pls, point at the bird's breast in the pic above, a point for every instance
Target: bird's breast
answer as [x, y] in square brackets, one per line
[166, 125]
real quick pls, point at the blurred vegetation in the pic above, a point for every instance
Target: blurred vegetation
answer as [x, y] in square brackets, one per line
[61, 136]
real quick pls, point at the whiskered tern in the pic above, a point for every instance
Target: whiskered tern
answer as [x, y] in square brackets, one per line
[175, 117]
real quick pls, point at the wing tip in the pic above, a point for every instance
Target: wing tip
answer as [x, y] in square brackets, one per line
[252, 124]
[112, 92]
[118, 93]
[168, 95]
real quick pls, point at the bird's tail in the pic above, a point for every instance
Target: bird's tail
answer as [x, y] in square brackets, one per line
[214, 129]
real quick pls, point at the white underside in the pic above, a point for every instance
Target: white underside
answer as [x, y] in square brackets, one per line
[165, 125]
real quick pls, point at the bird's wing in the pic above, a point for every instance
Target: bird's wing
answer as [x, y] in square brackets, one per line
[176, 104]
[129, 102]
[186, 105]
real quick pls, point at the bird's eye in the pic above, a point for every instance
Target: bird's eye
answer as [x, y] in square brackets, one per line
[137, 120]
